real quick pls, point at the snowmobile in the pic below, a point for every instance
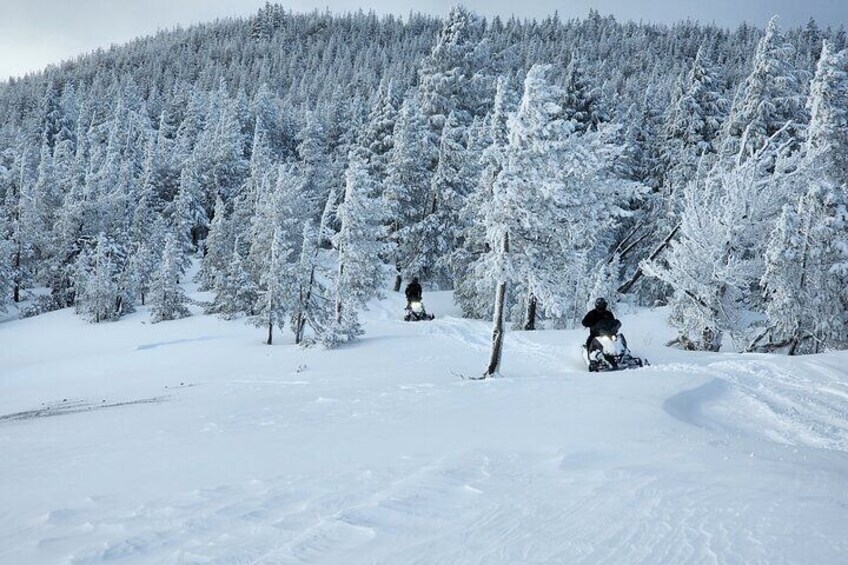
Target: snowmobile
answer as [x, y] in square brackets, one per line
[608, 350]
[415, 312]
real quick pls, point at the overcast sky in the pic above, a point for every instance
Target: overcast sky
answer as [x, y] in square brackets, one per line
[35, 33]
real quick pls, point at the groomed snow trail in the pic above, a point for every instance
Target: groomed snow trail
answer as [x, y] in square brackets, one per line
[191, 442]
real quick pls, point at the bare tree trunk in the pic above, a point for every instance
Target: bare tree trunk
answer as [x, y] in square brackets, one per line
[270, 333]
[497, 332]
[300, 323]
[498, 325]
[398, 282]
[339, 298]
[530, 319]
[16, 295]
[298, 329]
[793, 347]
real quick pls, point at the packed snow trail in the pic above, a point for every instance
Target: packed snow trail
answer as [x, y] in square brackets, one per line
[379, 453]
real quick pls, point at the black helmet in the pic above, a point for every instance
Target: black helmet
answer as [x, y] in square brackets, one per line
[601, 304]
[415, 280]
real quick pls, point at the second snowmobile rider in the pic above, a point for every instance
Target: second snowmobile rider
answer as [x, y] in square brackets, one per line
[598, 314]
[413, 292]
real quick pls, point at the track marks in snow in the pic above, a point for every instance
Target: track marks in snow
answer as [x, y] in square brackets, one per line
[477, 336]
[408, 511]
[475, 507]
[74, 406]
[327, 519]
[148, 346]
[805, 406]
[456, 330]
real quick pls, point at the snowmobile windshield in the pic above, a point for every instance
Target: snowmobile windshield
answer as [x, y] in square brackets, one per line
[607, 327]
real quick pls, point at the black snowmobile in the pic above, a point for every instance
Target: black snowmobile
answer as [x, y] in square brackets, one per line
[415, 312]
[608, 349]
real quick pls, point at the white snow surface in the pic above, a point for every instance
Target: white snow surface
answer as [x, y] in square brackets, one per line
[193, 442]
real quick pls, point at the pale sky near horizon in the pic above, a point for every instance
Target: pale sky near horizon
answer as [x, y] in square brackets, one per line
[36, 33]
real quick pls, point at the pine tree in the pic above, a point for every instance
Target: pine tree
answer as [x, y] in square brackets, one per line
[806, 270]
[692, 125]
[580, 103]
[190, 218]
[167, 298]
[313, 305]
[406, 188]
[99, 296]
[360, 250]
[275, 297]
[472, 292]
[316, 163]
[218, 247]
[807, 273]
[235, 290]
[377, 137]
[827, 135]
[769, 101]
[6, 273]
[437, 233]
[710, 278]
[550, 203]
[220, 152]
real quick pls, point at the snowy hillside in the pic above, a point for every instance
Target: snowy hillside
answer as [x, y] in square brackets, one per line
[192, 442]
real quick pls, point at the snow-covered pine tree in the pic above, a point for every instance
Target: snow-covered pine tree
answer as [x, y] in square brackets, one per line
[220, 152]
[190, 218]
[28, 228]
[448, 76]
[99, 296]
[260, 178]
[276, 231]
[438, 232]
[406, 188]
[265, 106]
[472, 292]
[827, 134]
[6, 275]
[580, 102]
[313, 305]
[692, 124]
[743, 194]
[315, 163]
[708, 274]
[551, 202]
[143, 263]
[167, 298]
[806, 271]
[280, 206]
[276, 287]
[360, 248]
[235, 290]
[376, 139]
[67, 244]
[770, 100]
[218, 247]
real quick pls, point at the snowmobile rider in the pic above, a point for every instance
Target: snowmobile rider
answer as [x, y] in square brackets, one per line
[413, 292]
[598, 314]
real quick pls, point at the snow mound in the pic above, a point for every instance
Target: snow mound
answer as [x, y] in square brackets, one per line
[798, 403]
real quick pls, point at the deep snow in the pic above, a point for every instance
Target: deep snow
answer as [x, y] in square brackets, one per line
[192, 442]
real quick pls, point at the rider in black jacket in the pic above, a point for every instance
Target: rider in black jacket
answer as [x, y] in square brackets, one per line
[413, 291]
[598, 314]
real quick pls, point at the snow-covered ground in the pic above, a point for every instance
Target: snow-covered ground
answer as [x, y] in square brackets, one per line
[193, 442]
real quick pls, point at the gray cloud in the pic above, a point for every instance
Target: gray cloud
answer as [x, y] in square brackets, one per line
[35, 33]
